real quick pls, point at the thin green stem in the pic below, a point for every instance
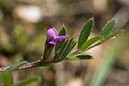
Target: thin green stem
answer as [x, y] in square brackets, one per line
[74, 53]
[78, 51]
[93, 46]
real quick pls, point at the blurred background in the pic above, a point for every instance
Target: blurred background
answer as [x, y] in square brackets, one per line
[23, 27]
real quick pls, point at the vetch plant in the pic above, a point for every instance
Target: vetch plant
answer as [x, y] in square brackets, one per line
[58, 47]
[52, 39]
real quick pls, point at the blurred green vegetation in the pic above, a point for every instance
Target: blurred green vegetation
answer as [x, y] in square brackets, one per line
[23, 27]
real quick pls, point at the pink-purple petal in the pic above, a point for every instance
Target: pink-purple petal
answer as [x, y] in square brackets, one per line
[58, 39]
[52, 42]
[54, 30]
[51, 34]
[62, 37]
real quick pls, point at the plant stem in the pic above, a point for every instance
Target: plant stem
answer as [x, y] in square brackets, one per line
[93, 46]
[74, 53]
[78, 51]
[26, 66]
[37, 63]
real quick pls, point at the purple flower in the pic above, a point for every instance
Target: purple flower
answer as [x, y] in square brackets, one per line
[53, 38]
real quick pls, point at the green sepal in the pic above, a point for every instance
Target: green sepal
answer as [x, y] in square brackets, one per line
[47, 52]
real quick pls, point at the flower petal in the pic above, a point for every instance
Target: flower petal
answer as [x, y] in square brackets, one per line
[51, 34]
[58, 39]
[54, 30]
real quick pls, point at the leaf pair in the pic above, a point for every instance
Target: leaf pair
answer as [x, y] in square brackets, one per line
[6, 75]
[107, 29]
[7, 78]
[83, 44]
[13, 67]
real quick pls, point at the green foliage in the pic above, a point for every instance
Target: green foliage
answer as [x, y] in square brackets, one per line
[28, 81]
[80, 57]
[85, 33]
[84, 44]
[65, 49]
[58, 53]
[13, 67]
[108, 27]
[90, 42]
[62, 32]
[7, 78]
[6, 75]
[68, 48]
[111, 35]
[72, 46]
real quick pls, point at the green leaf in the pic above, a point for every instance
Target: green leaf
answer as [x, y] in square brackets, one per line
[66, 49]
[17, 65]
[62, 32]
[28, 81]
[58, 53]
[69, 49]
[90, 42]
[13, 67]
[85, 33]
[72, 46]
[111, 35]
[108, 27]
[7, 78]
[80, 57]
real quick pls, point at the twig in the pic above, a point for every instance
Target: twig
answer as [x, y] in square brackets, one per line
[37, 63]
